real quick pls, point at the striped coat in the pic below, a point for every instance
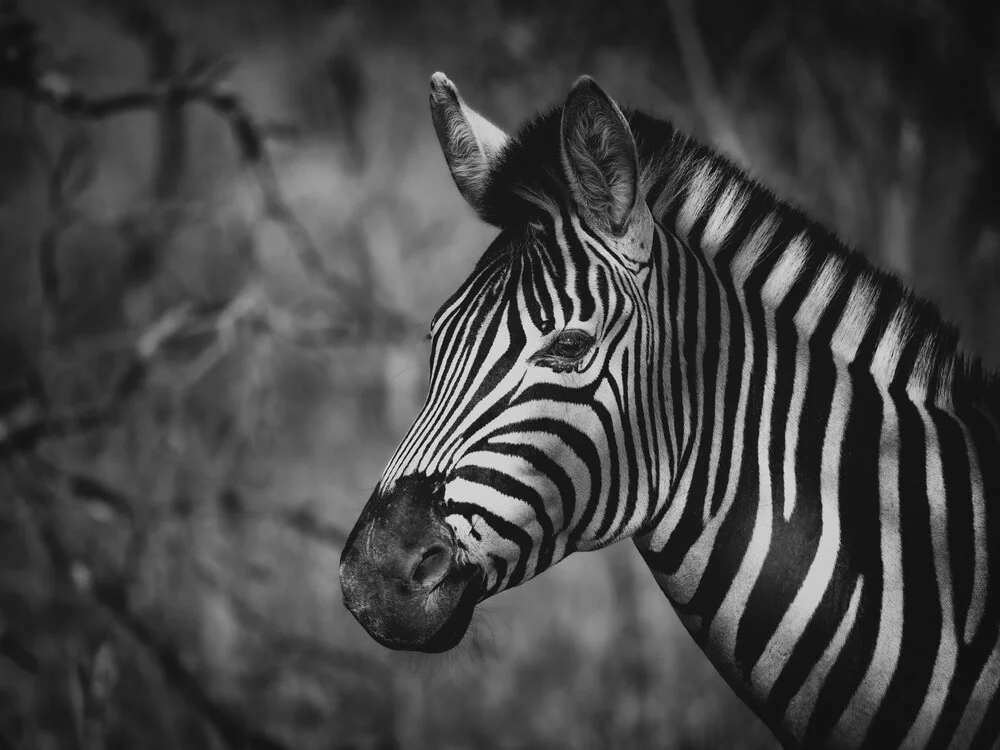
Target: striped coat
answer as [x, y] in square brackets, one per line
[657, 347]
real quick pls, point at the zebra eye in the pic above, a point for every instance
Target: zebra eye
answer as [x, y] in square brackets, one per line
[568, 346]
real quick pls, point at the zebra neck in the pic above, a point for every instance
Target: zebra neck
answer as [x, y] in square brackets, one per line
[763, 253]
[748, 283]
[821, 420]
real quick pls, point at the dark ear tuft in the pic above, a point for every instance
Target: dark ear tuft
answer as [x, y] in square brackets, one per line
[599, 156]
[470, 142]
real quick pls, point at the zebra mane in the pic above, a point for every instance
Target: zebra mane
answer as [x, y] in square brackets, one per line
[527, 183]
[527, 179]
[685, 161]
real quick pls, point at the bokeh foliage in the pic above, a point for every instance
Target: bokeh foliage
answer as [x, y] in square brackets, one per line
[168, 579]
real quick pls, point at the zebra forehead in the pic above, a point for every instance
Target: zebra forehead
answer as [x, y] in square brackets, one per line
[533, 252]
[499, 273]
[528, 182]
[512, 243]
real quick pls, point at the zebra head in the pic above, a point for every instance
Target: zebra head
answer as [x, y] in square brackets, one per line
[529, 445]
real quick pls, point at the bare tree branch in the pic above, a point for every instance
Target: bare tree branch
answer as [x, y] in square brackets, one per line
[142, 21]
[23, 427]
[306, 523]
[66, 177]
[57, 92]
[111, 595]
[31, 420]
[232, 730]
[202, 83]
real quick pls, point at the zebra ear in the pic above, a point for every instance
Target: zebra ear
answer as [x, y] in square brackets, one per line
[470, 142]
[599, 157]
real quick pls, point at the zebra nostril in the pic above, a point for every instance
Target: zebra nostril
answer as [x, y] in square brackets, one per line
[432, 567]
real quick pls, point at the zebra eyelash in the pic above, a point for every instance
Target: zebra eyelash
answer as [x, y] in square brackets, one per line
[566, 351]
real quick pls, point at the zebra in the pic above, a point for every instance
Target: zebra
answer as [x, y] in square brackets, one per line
[656, 346]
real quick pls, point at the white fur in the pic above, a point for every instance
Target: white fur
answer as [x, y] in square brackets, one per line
[470, 142]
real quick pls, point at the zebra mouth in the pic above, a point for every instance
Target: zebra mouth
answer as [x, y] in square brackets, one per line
[456, 626]
[428, 621]
[402, 574]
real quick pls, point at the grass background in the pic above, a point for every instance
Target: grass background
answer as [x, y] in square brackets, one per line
[198, 605]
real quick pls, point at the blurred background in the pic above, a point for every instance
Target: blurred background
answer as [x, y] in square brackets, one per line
[224, 226]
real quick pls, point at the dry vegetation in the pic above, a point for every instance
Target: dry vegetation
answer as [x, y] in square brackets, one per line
[223, 226]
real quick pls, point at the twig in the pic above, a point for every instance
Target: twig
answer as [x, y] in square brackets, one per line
[88, 488]
[24, 427]
[698, 68]
[140, 20]
[112, 597]
[111, 594]
[57, 92]
[201, 84]
[305, 522]
[61, 168]
[234, 732]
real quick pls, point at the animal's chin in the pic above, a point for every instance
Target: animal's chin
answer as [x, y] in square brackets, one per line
[427, 622]
[456, 625]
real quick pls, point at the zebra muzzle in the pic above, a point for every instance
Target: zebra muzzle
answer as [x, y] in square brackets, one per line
[399, 572]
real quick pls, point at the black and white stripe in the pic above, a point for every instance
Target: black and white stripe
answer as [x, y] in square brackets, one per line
[806, 459]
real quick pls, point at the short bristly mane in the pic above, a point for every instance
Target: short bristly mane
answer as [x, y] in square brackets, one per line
[527, 181]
